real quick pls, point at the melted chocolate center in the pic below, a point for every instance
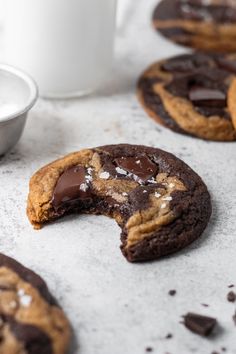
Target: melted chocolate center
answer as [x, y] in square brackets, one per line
[73, 185]
[142, 166]
[74, 190]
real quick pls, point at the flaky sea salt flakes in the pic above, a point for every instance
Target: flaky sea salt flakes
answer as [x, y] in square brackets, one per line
[163, 206]
[121, 171]
[90, 170]
[152, 181]
[83, 187]
[138, 162]
[104, 175]
[167, 198]
[25, 300]
[171, 185]
[144, 191]
[20, 292]
[124, 194]
[157, 195]
[88, 178]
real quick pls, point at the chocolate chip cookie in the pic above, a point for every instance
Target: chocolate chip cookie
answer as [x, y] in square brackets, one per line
[160, 204]
[192, 94]
[31, 322]
[205, 25]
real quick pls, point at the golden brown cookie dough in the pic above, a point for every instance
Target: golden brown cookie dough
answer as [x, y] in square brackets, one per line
[192, 94]
[204, 25]
[31, 322]
[160, 204]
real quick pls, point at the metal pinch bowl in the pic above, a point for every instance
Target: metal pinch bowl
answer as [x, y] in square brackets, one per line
[19, 90]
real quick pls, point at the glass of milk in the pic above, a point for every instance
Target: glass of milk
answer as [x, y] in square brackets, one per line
[66, 45]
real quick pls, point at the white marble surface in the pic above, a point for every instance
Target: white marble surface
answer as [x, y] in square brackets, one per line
[116, 307]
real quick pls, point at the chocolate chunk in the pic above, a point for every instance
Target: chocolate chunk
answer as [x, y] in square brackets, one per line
[172, 292]
[142, 166]
[202, 96]
[228, 65]
[231, 297]
[71, 186]
[199, 324]
[178, 65]
[185, 63]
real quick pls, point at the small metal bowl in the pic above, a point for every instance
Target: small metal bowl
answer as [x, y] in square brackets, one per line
[18, 94]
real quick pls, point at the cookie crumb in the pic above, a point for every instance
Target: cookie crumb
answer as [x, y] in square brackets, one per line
[231, 297]
[205, 305]
[231, 286]
[169, 336]
[172, 292]
[149, 349]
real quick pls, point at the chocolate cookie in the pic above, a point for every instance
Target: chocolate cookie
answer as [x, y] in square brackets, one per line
[192, 94]
[160, 204]
[31, 322]
[205, 25]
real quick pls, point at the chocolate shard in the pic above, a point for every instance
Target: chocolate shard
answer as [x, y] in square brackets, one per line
[178, 65]
[228, 65]
[172, 292]
[206, 97]
[199, 324]
[72, 186]
[142, 166]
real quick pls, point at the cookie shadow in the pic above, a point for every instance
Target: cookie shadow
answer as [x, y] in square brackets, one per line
[74, 345]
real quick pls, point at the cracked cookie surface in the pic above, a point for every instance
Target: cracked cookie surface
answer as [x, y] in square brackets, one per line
[193, 94]
[205, 25]
[31, 322]
[160, 204]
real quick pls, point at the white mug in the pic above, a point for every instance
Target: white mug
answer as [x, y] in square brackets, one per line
[65, 45]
